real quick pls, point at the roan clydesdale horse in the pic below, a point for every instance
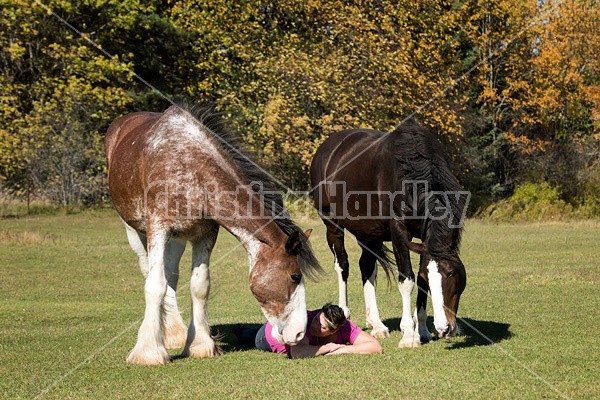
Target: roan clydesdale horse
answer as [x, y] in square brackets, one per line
[175, 177]
[395, 186]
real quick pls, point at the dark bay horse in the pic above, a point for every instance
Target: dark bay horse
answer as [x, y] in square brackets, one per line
[394, 187]
[178, 176]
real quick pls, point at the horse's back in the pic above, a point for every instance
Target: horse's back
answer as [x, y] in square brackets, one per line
[127, 125]
[157, 166]
[353, 161]
[124, 144]
[344, 153]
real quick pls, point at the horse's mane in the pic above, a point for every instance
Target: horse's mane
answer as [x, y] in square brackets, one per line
[245, 160]
[421, 157]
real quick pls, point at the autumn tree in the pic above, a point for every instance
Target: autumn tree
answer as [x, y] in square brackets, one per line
[59, 92]
[291, 73]
[510, 87]
[537, 97]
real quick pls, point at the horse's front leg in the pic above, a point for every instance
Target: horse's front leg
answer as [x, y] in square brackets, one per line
[149, 349]
[368, 270]
[199, 342]
[420, 317]
[406, 283]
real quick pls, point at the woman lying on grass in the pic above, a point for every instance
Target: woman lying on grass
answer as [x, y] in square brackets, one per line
[328, 332]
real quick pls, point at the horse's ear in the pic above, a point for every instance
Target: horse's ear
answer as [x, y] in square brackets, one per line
[307, 233]
[293, 244]
[416, 247]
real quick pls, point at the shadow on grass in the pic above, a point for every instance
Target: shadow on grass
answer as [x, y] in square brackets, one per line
[481, 333]
[475, 333]
[226, 339]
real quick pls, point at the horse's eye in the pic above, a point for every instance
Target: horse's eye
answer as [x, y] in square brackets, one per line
[296, 278]
[451, 273]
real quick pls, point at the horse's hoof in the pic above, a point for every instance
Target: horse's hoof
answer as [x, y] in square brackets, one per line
[409, 344]
[147, 356]
[425, 340]
[201, 350]
[346, 312]
[384, 334]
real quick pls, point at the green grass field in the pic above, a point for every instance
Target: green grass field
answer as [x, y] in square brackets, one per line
[72, 299]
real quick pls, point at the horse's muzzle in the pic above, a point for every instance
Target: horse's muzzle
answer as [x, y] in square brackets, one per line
[292, 338]
[449, 332]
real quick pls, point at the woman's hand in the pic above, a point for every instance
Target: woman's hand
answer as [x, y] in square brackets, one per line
[341, 349]
[331, 348]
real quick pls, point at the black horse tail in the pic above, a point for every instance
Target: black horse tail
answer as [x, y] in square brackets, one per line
[385, 258]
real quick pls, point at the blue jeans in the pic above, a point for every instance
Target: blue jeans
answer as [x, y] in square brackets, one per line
[256, 337]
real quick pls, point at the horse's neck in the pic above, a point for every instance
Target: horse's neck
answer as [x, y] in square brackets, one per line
[246, 217]
[256, 237]
[238, 208]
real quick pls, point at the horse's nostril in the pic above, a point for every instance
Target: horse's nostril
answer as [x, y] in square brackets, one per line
[299, 336]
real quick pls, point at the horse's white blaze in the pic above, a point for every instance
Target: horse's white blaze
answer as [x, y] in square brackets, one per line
[292, 330]
[342, 288]
[406, 323]
[437, 297]
[373, 318]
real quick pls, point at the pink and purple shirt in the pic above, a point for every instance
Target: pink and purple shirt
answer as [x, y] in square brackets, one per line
[346, 334]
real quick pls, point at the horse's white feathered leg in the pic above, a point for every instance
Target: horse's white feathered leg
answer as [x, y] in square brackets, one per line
[199, 340]
[149, 349]
[407, 325]
[379, 330]
[420, 319]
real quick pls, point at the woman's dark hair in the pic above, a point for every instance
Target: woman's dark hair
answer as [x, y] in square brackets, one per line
[334, 316]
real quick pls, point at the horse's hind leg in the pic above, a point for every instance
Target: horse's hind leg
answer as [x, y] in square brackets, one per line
[138, 243]
[368, 270]
[199, 340]
[175, 330]
[150, 349]
[335, 239]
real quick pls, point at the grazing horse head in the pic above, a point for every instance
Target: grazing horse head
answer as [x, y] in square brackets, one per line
[441, 267]
[445, 274]
[277, 282]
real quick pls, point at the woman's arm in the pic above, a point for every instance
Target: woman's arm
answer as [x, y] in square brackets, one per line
[304, 350]
[364, 344]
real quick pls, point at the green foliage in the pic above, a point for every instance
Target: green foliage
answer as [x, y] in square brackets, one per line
[531, 201]
[289, 73]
